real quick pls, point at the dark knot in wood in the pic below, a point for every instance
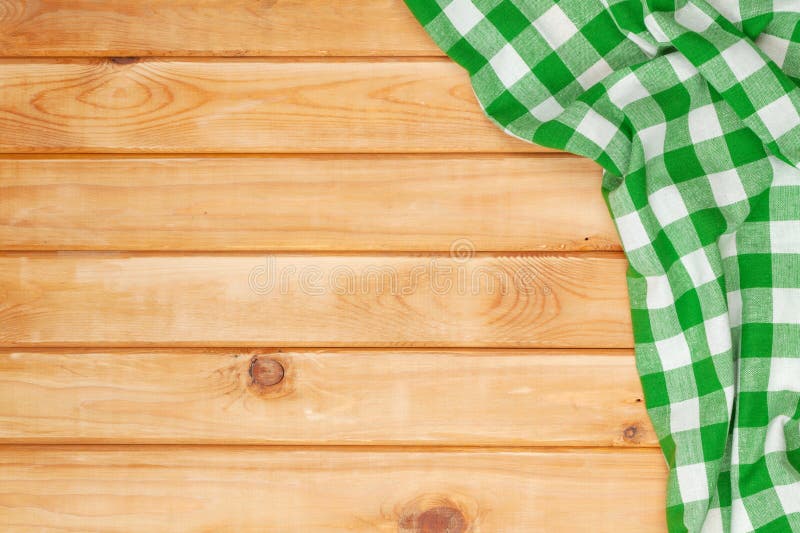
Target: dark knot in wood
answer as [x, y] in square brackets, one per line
[265, 372]
[123, 60]
[630, 433]
[441, 519]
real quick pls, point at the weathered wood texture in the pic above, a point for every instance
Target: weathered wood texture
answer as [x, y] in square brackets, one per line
[119, 299]
[410, 491]
[211, 27]
[369, 203]
[163, 106]
[445, 397]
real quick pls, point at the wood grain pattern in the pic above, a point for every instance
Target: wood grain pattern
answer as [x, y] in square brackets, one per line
[371, 203]
[188, 154]
[446, 397]
[250, 489]
[243, 106]
[211, 28]
[118, 299]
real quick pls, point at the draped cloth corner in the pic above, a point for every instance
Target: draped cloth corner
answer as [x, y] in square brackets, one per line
[692, 109]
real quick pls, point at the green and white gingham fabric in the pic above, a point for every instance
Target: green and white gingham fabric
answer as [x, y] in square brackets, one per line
[692, 109]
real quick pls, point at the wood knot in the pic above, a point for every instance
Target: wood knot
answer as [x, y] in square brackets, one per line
[440, 519]
[265, 372]
[630, 433]
[123, 60]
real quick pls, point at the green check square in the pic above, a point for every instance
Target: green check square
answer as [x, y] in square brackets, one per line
[779, 525]
[744, 147]
[756, 340]
[553, 73]
[655, 387]
[755, 270]
[508, 20]
[684, 163]
[506, 107]
[674, 102]
[754, 477]
[752, 409]
[714, 436]
[705, 374]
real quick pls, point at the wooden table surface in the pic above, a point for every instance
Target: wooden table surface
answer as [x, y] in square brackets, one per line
[266, 266]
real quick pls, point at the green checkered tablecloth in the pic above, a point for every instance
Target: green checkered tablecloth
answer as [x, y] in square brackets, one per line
[691, 108]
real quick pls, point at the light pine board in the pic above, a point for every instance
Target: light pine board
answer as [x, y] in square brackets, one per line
[345, 396]
[226, 489]
[243, 105]
[366, 203]
[211, 28]
[147, 178]
[120, 299]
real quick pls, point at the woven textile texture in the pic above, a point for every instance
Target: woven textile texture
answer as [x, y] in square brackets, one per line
[693, 111]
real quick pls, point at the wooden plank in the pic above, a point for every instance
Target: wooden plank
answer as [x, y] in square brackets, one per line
[445, 397]
[120, 299]
[370, 203]
[243, 106]
[211, 27]
[225, 489]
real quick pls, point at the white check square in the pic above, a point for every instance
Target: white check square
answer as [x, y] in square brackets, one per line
[780, 116]
[674, 352]
[785, 305]
[775, 441]
[685, 415]
[727, 245]
[597, 128]
[784, 374]
[742, 59]
[547, 110]
[704, 124]
[774, 47]
[659, 293]
[627, 90]
[740, 520]
[698, 267]
[718, 334]
[652, 140]
[692, 482]
[789, 495]
[784, 236]
[713, 521]
[632, 231]
[668, 205]
[463, 15]
[735, 308]
[682, 67]
[509, 66]
[728, 9]
[692, 17]
[595, 73]
[726, 187]
[555, 27]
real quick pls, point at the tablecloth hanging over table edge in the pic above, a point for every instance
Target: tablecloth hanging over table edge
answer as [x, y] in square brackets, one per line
[693, 111]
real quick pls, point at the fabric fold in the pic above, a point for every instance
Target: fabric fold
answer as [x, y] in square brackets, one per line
[693, 111]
